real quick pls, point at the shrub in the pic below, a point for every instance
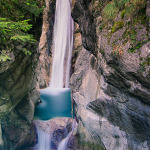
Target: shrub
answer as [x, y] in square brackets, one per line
[11, 30]
[20, 9]
[17, 17]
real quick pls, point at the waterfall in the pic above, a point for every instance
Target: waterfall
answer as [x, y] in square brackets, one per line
[63, 144]
[43, 139]
[62, 52]
[62, 44]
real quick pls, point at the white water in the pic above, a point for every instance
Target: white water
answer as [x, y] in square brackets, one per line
[62, 44]
[43, 139]
[62, 51]
[64, 142]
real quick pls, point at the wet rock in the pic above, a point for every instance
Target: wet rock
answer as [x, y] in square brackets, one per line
[58, 130]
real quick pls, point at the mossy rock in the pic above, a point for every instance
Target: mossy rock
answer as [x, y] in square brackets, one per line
[117, 25]
[89, 146]
[102, 51]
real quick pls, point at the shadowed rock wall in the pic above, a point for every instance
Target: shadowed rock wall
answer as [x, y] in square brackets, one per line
[20, 81]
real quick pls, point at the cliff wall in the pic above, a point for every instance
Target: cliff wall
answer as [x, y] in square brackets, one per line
[111, 78]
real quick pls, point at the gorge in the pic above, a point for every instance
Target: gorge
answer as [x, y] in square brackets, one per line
[110, 79]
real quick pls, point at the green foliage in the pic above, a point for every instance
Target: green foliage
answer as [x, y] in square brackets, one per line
[23, 38]
[123, 13]
[102, 51]
[4, 56]
[20, 9]
[93, 1]
[120, 4]
[117, 25]
[144, 62]
[10, 30]
[88, 145]
[137, 46]
[140, 20]
[17, 17]
[130, 35]
[110, 11]
[129, 8]
[135, 7]
[26, 51]
[8, 25]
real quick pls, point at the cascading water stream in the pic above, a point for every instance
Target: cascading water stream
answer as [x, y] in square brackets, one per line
[62, 51]
[62, 44]
[43, 138]
[63, 144]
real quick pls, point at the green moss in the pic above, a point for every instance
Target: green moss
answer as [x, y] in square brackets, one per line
[117, 25]
[78, 79]
[130, 35]
[100, 28]
[141, 58]
[89, 146]
[137, 46]
[112, 9]
[148, 61]
[144, 62]
[102, 51]
[123, 13]
[99, 4]
[135, 8]
[140, 19]
[129, 8]
[142, 68]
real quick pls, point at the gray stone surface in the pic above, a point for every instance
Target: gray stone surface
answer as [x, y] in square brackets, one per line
[45, 44]
[88, 27]
[112, 92]
[58, 129]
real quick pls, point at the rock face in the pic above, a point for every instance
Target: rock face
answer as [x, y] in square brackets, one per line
[111, 81]
[17, 89]
[58, 129]
[87, 27]
[45, 45]
[20, 80]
